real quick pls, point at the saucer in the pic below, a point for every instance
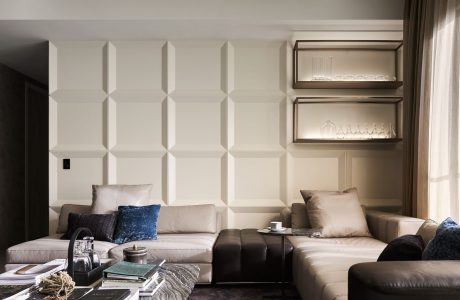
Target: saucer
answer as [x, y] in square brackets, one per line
[278, 230]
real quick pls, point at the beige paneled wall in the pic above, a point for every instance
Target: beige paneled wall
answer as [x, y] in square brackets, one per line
[203, 121]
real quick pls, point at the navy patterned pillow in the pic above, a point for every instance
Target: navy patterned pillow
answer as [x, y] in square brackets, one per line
[446, 243]
[100, 225]
[136, 223]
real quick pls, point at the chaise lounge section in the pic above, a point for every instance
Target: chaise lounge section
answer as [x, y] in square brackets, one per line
[320, 266]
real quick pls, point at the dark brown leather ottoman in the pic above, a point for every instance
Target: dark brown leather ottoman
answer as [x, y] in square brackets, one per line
[247, 256]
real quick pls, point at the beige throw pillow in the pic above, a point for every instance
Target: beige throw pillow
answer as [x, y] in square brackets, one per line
[428, 230]
[107, 198]
[337, 214]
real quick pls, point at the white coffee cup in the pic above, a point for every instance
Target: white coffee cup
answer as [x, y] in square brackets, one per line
[276, 225]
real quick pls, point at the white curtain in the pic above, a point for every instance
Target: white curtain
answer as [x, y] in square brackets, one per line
[444, 124]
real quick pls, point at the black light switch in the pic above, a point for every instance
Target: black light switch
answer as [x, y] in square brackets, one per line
[66, 163]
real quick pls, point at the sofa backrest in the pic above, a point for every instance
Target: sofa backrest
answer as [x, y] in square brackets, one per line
[187, 219]
[172, 219]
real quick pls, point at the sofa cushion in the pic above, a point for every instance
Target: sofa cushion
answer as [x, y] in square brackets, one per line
[406, 247]
[177, 248]
[299, 216]
[136, 223]
[66, 209]
[187, 219]
[428, 230]
[320, 266]
[446, 243]
[101, 226]
[303, 242]
[48, 248]
[107, 198]
[337, 214]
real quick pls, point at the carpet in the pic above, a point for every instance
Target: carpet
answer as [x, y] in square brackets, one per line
[240, 292]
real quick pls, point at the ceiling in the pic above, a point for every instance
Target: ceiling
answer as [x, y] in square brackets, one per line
[26, 26]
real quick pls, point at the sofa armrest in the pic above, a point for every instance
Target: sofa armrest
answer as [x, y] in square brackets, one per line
[387, 226]
[285, 216]
[395, 280]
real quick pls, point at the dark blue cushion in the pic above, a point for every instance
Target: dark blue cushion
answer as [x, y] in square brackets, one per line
[446, 243]
[406, 247]
[136, 223]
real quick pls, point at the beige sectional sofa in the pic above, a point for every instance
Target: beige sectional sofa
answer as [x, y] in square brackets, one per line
[320, 266]
[186, 234]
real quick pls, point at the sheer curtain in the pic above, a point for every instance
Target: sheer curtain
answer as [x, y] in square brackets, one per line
[444, 114]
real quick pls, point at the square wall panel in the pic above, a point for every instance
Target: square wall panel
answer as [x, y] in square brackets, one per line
[139, 65]
[139, 123]
[258, 66]
[75, 184]
[257, 123]
[142, 170]
[242, 220]
[199, 65]
[312, 173]
[198, 123]
[81, 65]
[377, 176]
[257, 178]
[198, 178]
[81, 123]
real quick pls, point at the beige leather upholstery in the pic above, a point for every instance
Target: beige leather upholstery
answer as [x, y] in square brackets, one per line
[187, 219]
[107, 198]
[198, 227]
[338, 214]
[66, 209]
[177, 248]
[48, 248]
[387, 226]
[320, 266]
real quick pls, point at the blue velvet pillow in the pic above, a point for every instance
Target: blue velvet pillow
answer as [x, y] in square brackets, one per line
[446, 243]
[136, 223]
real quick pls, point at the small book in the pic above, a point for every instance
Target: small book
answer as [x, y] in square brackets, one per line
[129, 284]
[131, 271]
[101, 294]
[151, 289]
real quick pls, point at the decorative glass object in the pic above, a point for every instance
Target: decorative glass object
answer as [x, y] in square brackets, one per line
[89, 249]
[328, 130]
[81, 259]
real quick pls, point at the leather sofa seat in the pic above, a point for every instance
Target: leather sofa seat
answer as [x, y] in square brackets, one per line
[48, 248]
[178, 248]
[320, 266]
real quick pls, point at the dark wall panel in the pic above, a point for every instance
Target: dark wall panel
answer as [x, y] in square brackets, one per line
[14, 150]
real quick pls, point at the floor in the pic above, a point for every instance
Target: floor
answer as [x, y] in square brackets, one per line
[241, 292]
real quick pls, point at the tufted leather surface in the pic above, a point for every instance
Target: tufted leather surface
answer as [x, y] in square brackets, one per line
[247, 256]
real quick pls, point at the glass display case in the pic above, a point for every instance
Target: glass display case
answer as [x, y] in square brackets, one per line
[347, 119]
[347, 64]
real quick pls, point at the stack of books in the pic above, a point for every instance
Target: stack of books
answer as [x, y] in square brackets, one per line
[127, 275]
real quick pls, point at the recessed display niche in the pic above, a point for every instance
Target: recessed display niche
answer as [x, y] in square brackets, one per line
[347, 119]
[347, 64]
